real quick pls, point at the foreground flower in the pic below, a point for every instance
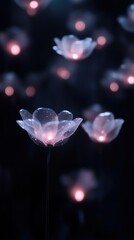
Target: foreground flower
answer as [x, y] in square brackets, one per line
[104, 128]
[73, 48]
[128, 22]
[45, 127]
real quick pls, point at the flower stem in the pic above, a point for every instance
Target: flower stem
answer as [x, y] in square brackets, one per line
[47, 193]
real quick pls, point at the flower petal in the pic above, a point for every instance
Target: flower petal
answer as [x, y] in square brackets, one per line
[56, 49]
[66, 44]
[72, 127]
[58, 42]
[102, 120]
[65, 115]
[77, 47]
[25, 114]
[87, 126]
[88, 47]
[25, 126]
[48, 133]
[45, 115]
[126, 23]
[31, 126]
[114, 133]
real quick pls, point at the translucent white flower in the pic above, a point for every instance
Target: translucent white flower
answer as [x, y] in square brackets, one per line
[128, 22]
[73, 48]
[45, 127]
[104, 128]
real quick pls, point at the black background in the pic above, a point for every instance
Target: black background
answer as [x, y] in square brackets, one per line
[23, 163]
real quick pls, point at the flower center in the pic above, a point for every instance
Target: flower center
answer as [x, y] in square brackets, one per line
[101, 138]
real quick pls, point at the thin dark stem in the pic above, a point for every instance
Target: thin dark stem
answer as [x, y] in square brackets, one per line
[100, 152]
[47, 194]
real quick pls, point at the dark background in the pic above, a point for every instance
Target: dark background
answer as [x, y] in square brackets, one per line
[23, 163]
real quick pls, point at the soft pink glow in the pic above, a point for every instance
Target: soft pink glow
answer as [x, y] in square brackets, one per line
[33, 4]
[130, 79]
[9, 91]
[101, 40]
[78, 194]
[30, 91]
[75, 56]
[101, 138]
[114, 87]
[80, 25]
[49, 137]
[48, 128]
[63, 73]
[13, 48]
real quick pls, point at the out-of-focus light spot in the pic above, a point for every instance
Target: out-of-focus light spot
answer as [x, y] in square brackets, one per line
[30, 91]
[63, 73]
[80, 25]
[33, 4]
[13, 48]
[79, 195]
[101, 40]
[114, 87]
[130, 79]
[9, 91]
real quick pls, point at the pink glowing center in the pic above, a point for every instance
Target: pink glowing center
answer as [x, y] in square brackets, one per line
[75, 56]
[130, 79]
[114, 87]
[48, 137]
[101, 40]
[101, 138]
[79, 195]
[33, 4]
[80, 25]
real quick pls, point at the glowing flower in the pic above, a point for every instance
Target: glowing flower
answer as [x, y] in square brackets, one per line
[128, 22]
[32, 6]
[14, 40]
[126, 73]
[73, 48]
[45, 127]
[80, 184]
[10, 84]
[111, 80]
[104, 128]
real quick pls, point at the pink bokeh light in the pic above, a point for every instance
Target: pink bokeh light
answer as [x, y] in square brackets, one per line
[13, 48]
[114, 86]
[80, 25]
[30, 91]
[9, 91]
[63, 73]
